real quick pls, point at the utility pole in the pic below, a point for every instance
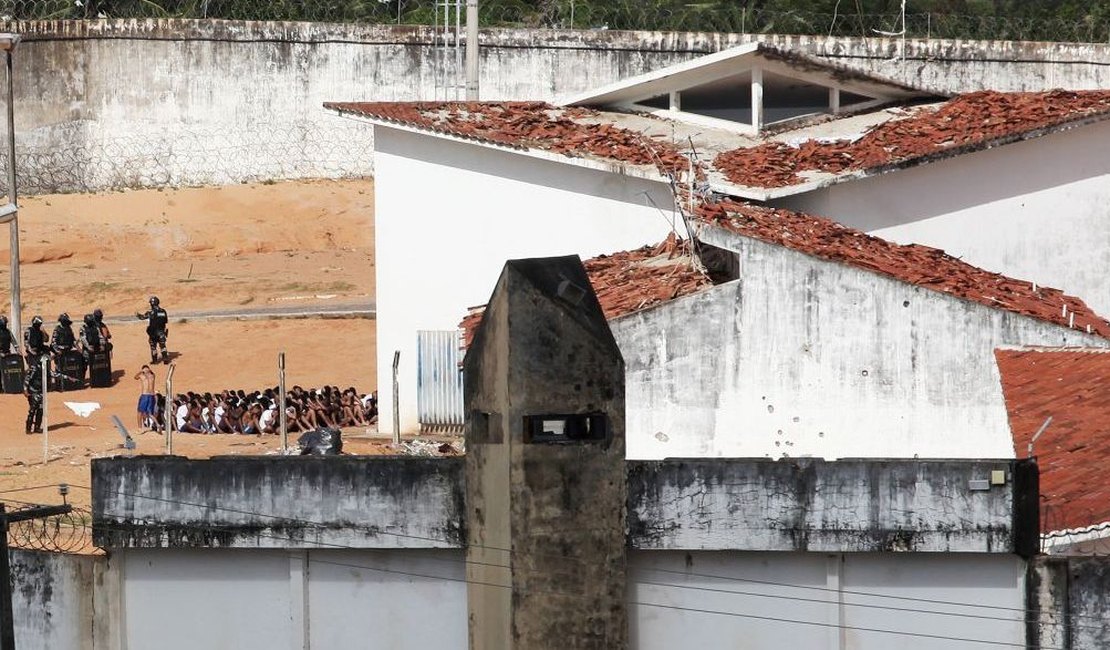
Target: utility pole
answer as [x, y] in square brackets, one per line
[7, 621]
[9, 212]
[471, 50]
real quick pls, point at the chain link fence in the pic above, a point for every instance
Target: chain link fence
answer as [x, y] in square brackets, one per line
[666, 15]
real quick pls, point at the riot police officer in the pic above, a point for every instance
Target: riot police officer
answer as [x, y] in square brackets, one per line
[32, 388]
[105, 333]
[63, 340]
[8, 343]
[89, 338]
[156, 329]
[34, 341]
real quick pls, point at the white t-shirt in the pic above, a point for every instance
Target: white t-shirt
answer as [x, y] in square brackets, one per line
[182, 413]
[267, 418]
[218, 415]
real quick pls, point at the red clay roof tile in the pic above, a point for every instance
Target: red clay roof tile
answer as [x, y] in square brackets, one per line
[535, 125]
[1072, 386]
[629, 281]
[918, 265]
[965, 121]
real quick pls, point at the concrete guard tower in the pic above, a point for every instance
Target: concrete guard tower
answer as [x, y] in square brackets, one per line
[545, 478]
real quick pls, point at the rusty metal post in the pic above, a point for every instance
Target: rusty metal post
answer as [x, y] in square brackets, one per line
[281, 401]
[169, 409]
[396, 400]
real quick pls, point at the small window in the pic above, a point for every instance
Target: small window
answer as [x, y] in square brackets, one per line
[566, 429]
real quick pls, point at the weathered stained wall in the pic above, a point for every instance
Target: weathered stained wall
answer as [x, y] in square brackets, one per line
[278, 502]
[1069, 603]
[1001, 209]
[544, 349]
[775, 364]
[813, 505]
[64, 602]
[122, 103]
[697, 504]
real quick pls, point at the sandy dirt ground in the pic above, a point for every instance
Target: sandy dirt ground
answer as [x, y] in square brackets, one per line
[242, 247]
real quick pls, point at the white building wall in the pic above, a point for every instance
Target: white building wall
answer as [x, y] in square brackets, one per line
[803, 357]
[232, 599]
[1036, 210]
[448, 216]
[816, 601]
[216, 599]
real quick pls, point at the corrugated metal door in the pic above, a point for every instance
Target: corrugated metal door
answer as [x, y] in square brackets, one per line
[439, 380]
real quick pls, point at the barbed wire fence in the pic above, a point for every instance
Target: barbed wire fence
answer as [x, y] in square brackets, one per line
[663, 15]
[67, 533]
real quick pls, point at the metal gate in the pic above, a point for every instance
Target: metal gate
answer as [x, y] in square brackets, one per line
[439, 380]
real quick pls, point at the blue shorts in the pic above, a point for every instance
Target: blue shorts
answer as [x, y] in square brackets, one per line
[146, 404]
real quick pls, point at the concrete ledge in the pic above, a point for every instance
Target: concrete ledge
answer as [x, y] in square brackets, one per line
[813, 505]
[278, 502]
[703, 504]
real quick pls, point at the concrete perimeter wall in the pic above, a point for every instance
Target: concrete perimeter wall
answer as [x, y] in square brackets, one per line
[129, 103]
[64, 602]
[1069, 603]
[278, 502]
[410, 598]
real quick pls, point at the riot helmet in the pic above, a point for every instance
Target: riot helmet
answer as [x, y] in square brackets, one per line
[154, 301]
[63, 318]
[89, 320]
[36, 321]
[98, 314]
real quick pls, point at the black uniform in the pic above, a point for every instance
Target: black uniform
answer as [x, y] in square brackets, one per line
[157, 331]
[32, 388]
[90, 338]
[105, 333]
[34, 344]
[7, 341]
[63, 339]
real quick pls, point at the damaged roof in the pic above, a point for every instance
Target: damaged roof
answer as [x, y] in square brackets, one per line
[805, 155]
[966, 123]
[1073, 387]
[629, 281]
[918, 265]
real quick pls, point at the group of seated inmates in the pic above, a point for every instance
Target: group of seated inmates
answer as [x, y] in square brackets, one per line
[238, 411]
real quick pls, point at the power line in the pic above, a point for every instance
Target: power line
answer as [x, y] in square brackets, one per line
[28, 489]
[1026, 613]
[735, 614]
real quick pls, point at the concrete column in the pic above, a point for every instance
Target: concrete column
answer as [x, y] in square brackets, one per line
[834, 101]
[757, 99]
[1046, 602]
[676, 101]
[834, 577]
[546, 494]
[109, 613]
[472, 60]
[299, 638]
